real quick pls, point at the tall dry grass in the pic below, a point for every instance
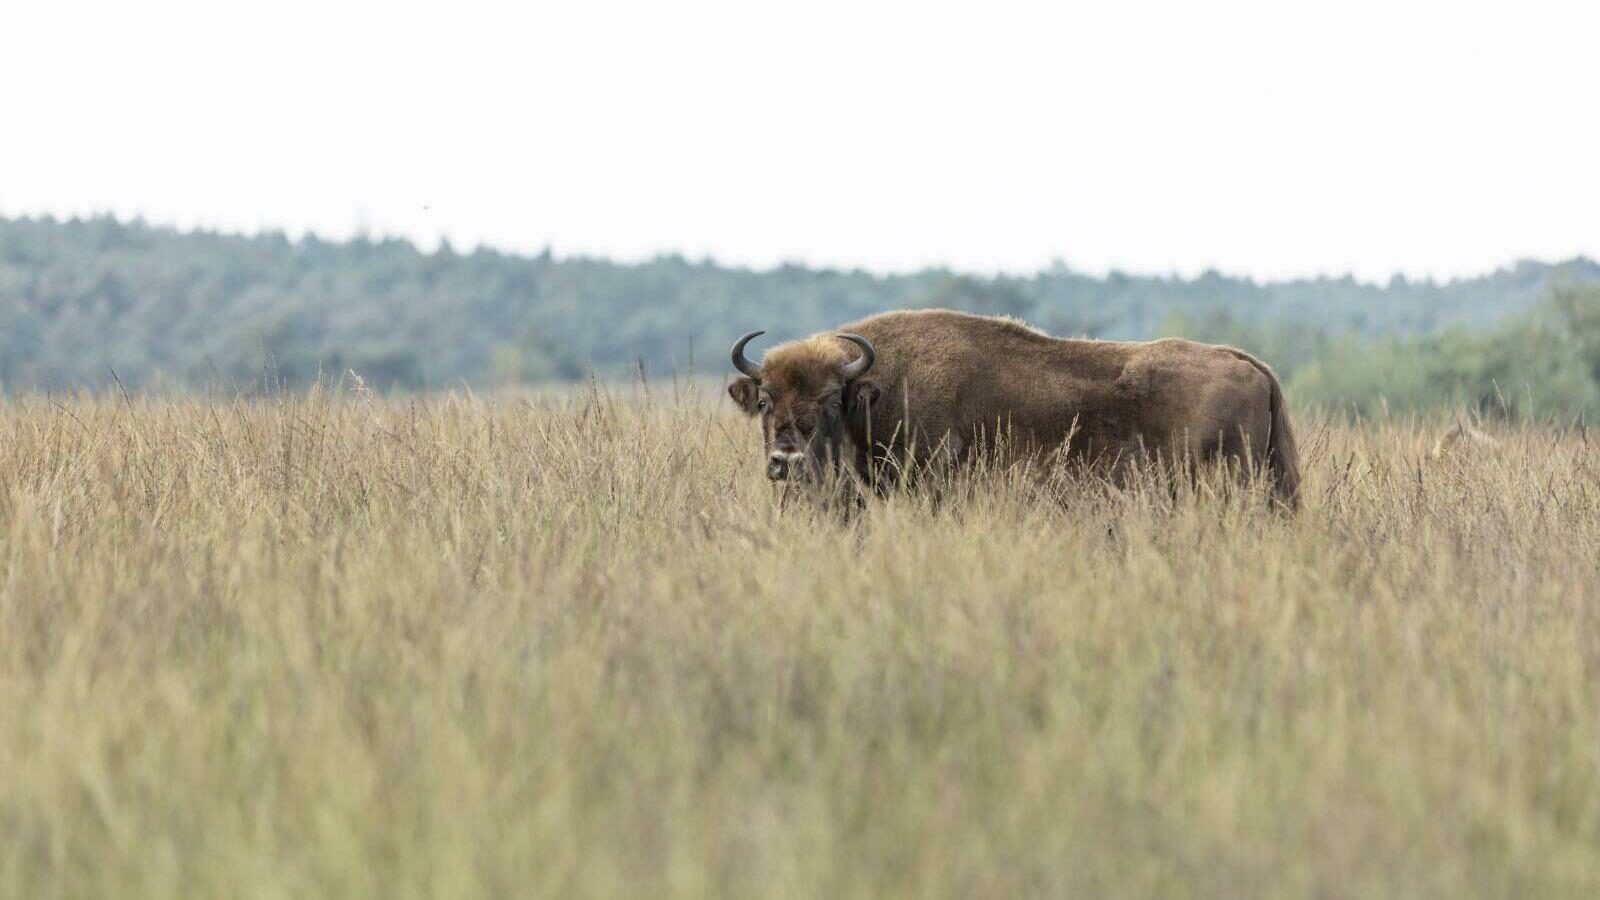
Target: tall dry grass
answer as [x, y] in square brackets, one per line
[336, 646]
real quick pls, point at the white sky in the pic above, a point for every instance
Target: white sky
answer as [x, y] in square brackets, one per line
[1266, 138]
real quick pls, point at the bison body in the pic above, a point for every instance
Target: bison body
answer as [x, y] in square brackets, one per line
[947, 386]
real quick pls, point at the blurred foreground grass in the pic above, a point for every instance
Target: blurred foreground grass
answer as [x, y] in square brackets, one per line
[569, 647]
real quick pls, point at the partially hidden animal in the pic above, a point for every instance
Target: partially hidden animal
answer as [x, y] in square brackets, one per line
[901, 391]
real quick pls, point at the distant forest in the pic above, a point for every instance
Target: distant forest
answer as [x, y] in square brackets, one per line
[164, 309]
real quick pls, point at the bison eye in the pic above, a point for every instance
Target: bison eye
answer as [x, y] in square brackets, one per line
[763, 404]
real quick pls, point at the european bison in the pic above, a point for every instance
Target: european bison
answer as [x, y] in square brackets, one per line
[902, 390]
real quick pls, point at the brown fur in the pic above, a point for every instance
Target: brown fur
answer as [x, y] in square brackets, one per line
[947, 382]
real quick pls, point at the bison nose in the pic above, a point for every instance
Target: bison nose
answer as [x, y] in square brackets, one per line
[780, 463]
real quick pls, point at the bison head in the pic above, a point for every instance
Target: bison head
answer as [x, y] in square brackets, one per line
[812, 402]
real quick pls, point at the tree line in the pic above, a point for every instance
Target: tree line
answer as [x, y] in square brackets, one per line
[83, 298]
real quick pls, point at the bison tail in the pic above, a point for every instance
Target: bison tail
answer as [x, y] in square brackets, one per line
[1283, 459]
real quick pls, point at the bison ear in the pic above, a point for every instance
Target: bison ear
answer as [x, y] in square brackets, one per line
[861, 395]
[745, 394]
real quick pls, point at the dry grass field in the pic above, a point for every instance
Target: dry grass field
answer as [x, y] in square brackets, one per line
[339, 646]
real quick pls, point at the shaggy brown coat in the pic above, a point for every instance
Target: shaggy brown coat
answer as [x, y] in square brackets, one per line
[947, 382]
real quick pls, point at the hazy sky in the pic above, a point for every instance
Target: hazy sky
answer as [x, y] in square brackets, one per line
[1268, 138]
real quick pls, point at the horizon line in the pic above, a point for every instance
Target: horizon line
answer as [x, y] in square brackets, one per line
[446, 246]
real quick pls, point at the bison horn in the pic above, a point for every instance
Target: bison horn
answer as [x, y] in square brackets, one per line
[744, 365]
[860, 366]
